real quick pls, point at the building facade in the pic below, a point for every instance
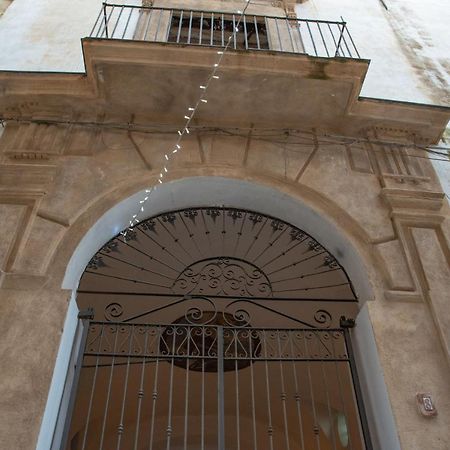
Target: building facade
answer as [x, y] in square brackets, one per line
[225, 225]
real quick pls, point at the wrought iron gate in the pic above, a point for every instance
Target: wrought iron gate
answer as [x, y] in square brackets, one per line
[211, 381]
[222, 332]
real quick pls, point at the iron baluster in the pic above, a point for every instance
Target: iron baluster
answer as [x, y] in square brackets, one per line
[190, 28]
[220, 390]
[288, 28]
[158, 24]
[312, 39]
[147, 25]
[108, 395]
[316, 428]
[202, 421]
[283, 393]
[186, 388]
[258, 46]
[234, 32]
[117, 22]
[88, 416]
[199, 43]
[245, 33]
[269, 406]
[128, 21]
[327, 395]
[345, 40]
[106, 19]
[121, 427]
[236, 374]
[353, 43]
[91, 34]
[323, 40]
[280, 41]
[252, 385]
[154, 397]
[141, 391]
[298, 399]
[341, 35]
[211, 35]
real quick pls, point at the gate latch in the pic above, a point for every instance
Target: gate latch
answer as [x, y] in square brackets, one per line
[347, 322]
[86, 314]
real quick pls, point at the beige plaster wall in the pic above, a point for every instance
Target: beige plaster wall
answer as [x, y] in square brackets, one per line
[56, 181]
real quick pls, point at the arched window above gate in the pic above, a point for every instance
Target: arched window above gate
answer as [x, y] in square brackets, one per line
[234, 261]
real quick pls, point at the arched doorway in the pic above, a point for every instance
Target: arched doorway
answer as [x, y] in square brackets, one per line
[217, 328]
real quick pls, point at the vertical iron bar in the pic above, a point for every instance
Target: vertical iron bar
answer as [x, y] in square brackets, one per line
[300, 38]
[323, 40]
[179, 26]
[327, 396]
[91, 397]
[190, 28]
[252, 384]
[158, 24]
[358, 393]
[340, 38]
[170, 405]
[169, 25]
[117, 23]
[223, 31]
[154, 397]
[311, 388]
[332, 34]
[220, 391]
[147, 24]
[201, 29]
[283, 392]
[278, 33]
[312, 38]
[268, 34]
[106, 19]
[297, 394]
[186, 389]
[269, 406]
[245, 33]
[236, 373]
[353, 44]
[202, 421]
[141, 390]
[95, 24]
[121, 430]
[288, 26]
[128, 21]
[212, 30]
[343, 37]
[256, 32]
[108, 395]
[234, 32]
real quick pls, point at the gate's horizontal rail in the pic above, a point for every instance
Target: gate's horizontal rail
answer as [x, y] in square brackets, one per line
[186, 341]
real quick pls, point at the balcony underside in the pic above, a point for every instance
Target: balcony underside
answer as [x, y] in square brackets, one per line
[155, 83]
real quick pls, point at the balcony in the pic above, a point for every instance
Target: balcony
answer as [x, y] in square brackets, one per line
[224, 29]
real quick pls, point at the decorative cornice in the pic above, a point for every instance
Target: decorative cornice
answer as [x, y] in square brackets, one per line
[420, 201]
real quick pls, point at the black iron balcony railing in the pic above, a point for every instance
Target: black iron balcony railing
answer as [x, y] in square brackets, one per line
[214, 29]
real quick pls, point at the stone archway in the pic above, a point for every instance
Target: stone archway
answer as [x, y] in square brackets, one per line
[238, 193]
